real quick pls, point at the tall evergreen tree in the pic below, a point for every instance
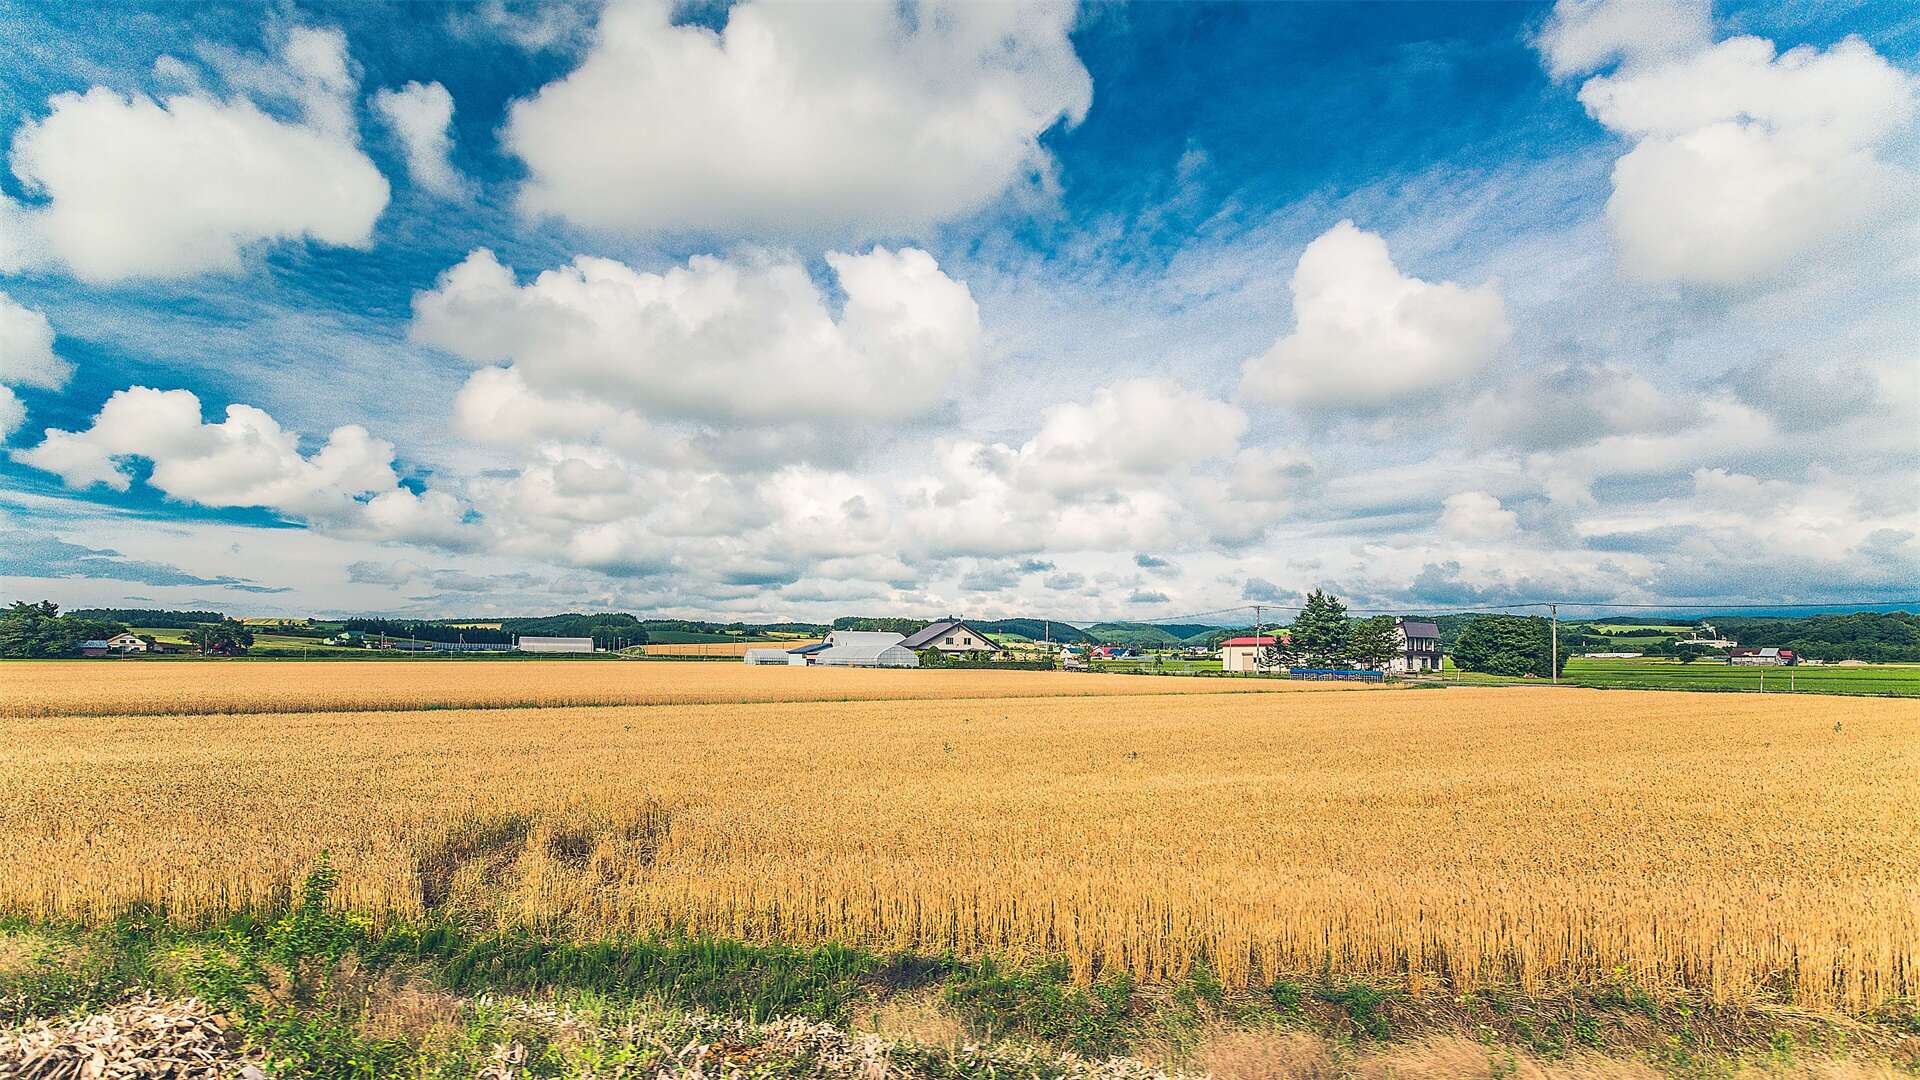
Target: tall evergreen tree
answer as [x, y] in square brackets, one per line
[1372, 643]
[1320, 632]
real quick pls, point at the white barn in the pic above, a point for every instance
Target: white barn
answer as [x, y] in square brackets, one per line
[553, 644]
[843, 648]
[126, 643]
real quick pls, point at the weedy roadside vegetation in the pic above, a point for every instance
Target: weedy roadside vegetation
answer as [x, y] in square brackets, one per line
[317, 991]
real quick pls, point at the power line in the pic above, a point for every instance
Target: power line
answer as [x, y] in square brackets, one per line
[1707, 608]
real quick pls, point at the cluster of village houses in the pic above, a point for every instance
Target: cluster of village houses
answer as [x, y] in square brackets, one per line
[1419, 649]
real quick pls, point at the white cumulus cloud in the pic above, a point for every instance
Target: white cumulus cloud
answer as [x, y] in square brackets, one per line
[1476, 515]
[26, 348]
[1134, 429]
[799, 117]
[139, 188]
[13, 412]
[421, 117]
[247, 459]
[1585, 35]
[1367, 336]
[743, 341]
[1744, 163]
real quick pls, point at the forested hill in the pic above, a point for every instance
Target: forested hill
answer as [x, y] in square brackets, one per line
[1863, 635]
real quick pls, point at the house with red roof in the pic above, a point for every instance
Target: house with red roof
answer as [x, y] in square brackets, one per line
[1243, 653]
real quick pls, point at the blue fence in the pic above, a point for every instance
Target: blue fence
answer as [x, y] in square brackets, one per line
[1354, 674]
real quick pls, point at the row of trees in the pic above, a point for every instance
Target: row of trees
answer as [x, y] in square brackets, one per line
[1324, 636]
[39, 630]
[1508, 645]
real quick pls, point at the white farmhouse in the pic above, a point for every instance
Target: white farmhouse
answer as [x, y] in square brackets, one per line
[951, 635]
[1419, 647]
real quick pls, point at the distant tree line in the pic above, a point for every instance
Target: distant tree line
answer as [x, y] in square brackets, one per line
[606, 629]
[421, 630]
[156, 617]
[881, 626]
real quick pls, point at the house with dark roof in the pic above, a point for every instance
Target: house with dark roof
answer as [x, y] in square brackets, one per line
[953, 636]
[1419, 647]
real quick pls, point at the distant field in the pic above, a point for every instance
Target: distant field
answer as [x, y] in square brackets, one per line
[262, 639]
[1650, 673]
[1745, 847]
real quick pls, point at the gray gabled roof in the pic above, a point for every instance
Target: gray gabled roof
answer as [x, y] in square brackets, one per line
[1420, 629]
[926, 635]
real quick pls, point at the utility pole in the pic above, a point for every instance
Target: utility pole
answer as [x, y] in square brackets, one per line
[1259, 650]
[1554, 659]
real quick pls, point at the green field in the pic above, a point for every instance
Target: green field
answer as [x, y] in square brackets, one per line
[173, 635]
[1649, 673]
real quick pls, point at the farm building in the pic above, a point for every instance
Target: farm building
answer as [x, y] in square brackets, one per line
[951, 635]
[1762, 657]
[126, 643]
[774, 657]
[94, 647]
[843, 648]
[1419, 647]
[848, 648]
[553, 644]
[1243, 653]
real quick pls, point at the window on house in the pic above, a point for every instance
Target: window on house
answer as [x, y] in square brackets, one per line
[949, 640]
[966, 641]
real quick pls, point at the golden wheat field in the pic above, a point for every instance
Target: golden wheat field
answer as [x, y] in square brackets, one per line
[1752, 847]
[127, 688]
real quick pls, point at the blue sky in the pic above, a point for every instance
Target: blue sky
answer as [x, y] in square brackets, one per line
[1113, 311]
